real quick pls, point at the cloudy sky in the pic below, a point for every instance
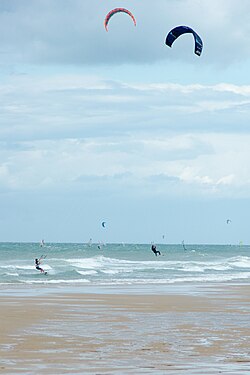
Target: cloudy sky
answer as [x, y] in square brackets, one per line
[116, 126]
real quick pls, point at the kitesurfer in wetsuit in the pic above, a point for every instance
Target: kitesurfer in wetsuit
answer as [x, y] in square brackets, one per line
[37, 265]
[156, 252]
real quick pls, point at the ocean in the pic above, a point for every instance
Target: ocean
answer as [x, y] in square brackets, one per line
[123, 264]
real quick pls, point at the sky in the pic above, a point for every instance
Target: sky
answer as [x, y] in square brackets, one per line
[118, 127]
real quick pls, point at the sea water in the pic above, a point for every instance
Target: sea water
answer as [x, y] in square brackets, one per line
[123, 264]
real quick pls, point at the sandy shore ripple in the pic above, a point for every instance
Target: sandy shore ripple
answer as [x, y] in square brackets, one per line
[126, 334]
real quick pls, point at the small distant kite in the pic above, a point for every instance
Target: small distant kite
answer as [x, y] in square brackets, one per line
[179, 30]
[114, 11]
[229, 221]
[104, 224]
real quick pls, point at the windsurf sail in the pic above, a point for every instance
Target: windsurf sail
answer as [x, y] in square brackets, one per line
[183, 245]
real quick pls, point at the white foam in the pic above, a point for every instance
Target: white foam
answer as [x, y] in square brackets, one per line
[241, 262]
[110, 272]
[87, 272]
[12, 274]
[59, 281]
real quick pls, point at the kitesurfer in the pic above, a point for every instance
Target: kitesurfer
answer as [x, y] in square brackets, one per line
[37, 265]
[156, 252]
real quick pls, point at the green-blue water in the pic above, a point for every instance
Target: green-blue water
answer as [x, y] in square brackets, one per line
[123, 264]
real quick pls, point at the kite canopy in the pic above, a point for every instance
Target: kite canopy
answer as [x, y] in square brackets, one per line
[179, 30]
[103, 224]
[114, 11]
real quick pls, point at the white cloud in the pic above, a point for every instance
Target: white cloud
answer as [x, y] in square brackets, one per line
[73, 128]
[226, 180]
[71, 106]
[243, 90]
[194, 164]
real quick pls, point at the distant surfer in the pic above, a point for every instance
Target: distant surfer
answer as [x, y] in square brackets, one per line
[183, 245]
[100, 245]
[42, 243]
[155, 251]
[37, 265]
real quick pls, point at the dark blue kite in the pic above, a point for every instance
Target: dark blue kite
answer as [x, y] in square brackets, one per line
[179, 30]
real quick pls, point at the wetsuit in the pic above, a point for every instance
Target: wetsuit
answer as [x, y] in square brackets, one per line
[37, 264]
[156, 252]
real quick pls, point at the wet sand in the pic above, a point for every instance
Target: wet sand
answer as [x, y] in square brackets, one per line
[126, 334]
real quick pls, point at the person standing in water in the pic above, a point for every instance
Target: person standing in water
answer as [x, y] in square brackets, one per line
[156, 252]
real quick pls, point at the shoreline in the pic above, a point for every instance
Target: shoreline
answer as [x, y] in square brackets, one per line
[190, 289]
[126, 333]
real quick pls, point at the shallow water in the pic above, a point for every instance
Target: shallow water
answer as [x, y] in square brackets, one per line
[100, 337]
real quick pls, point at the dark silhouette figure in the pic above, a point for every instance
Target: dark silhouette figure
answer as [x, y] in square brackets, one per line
[156, 252]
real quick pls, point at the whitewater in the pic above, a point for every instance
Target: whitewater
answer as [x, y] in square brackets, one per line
[123, 264]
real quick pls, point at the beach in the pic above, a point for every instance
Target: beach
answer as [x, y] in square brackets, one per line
[131, 333]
